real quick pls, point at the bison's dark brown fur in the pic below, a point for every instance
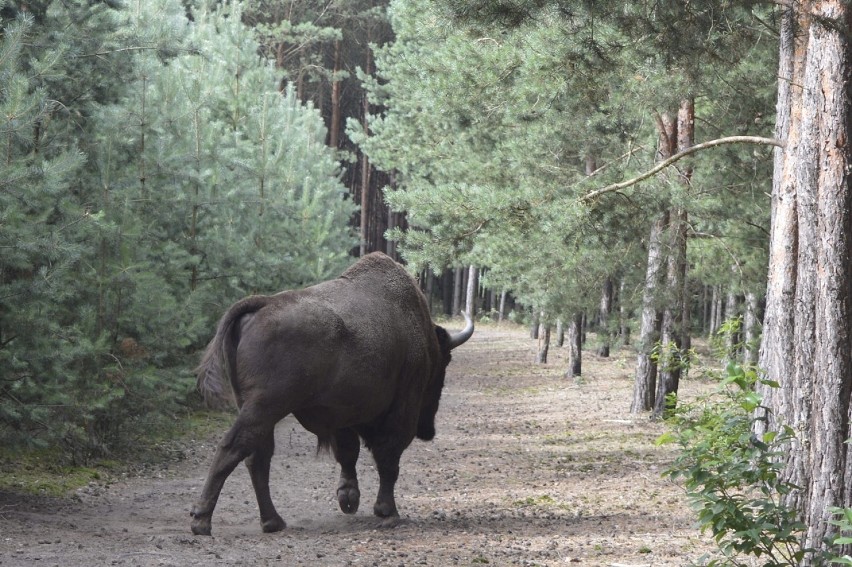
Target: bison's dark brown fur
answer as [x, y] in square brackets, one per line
[355, 357]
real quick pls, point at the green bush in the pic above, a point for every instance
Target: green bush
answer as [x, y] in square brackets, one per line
[732, 476]
[843, 521]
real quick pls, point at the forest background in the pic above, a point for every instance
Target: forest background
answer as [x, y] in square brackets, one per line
[163, 158]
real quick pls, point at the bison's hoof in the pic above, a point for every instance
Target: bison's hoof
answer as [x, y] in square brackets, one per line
[201, 527]
[385, 510]
[390, 522]
[349, 499]
[275, 524]
[200, 523]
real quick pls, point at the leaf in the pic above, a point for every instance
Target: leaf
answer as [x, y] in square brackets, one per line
[665, 438]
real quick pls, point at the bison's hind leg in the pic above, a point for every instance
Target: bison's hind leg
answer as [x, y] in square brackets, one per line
[258, 464]
[347, 446]
[250, 436]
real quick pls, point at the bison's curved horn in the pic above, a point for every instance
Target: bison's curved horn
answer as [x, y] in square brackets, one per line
[462, 336]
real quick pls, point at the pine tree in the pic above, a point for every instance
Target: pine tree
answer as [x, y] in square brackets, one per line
[200, 183]
[324, 51]
[487, 124]
[40, 248]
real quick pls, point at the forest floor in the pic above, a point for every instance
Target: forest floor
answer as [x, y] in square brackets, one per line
[527, 468]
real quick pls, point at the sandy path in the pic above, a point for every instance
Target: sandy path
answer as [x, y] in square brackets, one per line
[527, 469]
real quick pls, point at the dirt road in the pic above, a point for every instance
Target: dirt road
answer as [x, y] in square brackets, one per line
[527, 469]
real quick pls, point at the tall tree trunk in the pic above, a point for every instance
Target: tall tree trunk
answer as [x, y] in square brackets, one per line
[560, 333]
[502, 311]
[604, 334]
[390, 250]
[543, 344]
[714, 311]
[365, 164]
[535, 322]
[732, 338]
[807, 346]
[336, 83]
[575, 346]
[775, 355]
[672, 328]
[645, 383]
[470, 305]
[458, 285]
[670, 354]
[447, 291]
[623, 315]
[750, 329]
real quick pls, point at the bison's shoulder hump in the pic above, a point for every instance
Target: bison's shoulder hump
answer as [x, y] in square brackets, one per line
[380, 273]
[372, 264]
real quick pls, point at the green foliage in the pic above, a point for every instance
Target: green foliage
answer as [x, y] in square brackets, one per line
[487, 135]
[843, 520]
[727, 341]
[733, 478]
[150, 175]
[492, 113]
[44, 349]
[669, 357]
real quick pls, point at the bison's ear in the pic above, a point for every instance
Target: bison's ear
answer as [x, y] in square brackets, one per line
[444, 340]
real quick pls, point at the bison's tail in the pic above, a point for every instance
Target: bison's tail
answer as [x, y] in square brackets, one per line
[218, 365]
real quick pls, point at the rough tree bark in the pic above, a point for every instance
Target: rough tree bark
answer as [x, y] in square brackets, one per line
[715, 310]
[806, 345]
[645, 383]
[623, 315]
[575, 344]
[458, 282]
[543, 344]
[502, 309]
[470, 304]
[604, 333]
[751, 322]
[672, 330]
[365, 165]
[534, 324]
[732, 338]
[334, 129]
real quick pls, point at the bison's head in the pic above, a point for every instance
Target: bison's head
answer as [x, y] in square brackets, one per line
[432, 397]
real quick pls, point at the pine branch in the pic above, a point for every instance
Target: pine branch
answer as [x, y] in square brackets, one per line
[689, 151]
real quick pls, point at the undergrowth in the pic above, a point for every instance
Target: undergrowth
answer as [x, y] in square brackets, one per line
[47, 472]
[733, 479]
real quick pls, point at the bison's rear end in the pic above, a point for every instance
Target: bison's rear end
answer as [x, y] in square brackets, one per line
[217, 371]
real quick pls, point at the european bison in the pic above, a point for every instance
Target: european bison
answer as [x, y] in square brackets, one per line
[355, 357]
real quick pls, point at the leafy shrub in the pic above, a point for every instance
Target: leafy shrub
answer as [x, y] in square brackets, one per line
[670, 357]
[843, 521]
[732, 477]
